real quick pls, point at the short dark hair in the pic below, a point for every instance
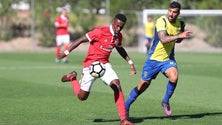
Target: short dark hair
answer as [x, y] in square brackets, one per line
[175, 4]
[121, 17]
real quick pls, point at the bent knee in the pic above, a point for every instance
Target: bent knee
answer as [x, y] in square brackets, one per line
[115, 86]
[83, 95]
[82, 98]
[173, 79]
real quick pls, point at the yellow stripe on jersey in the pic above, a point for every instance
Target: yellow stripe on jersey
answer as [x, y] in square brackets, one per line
[162, 52]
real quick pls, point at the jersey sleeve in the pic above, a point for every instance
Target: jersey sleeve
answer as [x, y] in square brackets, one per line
[160, 24]
[93, 35]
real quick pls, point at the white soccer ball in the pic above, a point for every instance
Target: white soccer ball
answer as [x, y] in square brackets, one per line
[97, 69]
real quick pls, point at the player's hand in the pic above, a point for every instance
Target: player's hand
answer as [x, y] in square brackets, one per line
[133, 72]
[185, 34]
[133, 69]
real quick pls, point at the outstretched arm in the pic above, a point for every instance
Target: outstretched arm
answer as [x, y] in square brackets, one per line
[164, 38]
[74, 44]
[124, 55]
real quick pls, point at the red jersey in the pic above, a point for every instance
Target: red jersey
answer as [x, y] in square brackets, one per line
[102, 42]
[62, 20]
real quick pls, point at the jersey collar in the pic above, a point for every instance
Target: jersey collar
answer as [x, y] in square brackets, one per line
[111, 30]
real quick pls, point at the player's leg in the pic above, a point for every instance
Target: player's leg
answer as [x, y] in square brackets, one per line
[58, 48]
[66, 47]
[119, 101]
[146, 43]
[172, 74]
[111, 79]
[80, 94]
[119, 98]
[71, 77]
[80, 89]
[135, 92]
[149, 72]
[66, 41]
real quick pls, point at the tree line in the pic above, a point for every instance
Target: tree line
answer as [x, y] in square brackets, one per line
[85, 14]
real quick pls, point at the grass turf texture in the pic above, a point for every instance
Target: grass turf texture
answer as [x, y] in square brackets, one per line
[31, 92]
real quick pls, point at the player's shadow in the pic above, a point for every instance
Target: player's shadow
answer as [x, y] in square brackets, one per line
[174, 117]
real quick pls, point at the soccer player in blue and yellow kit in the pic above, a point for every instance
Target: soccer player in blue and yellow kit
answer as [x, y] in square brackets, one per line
[149, 27]
[168, 31]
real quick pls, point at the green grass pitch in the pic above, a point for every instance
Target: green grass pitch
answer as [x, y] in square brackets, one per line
[31, 92]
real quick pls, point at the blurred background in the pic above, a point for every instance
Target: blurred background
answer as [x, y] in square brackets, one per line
[29, 24]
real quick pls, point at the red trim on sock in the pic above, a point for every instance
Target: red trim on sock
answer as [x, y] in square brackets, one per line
[120, 104]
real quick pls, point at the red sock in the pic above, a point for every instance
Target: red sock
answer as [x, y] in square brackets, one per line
[57, 51]
[120, 104]
[66, 47]
[75, 87]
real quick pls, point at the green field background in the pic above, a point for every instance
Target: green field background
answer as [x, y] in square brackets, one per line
[31, 92]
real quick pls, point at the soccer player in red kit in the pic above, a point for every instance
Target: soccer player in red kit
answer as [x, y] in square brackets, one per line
[62, 34]
[102, 41]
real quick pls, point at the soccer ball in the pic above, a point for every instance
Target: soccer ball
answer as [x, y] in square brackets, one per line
[97, 69]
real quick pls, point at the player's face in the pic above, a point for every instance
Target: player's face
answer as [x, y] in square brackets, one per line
[64, 12]
[149, 19]
[172, 14]
[117, 25]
